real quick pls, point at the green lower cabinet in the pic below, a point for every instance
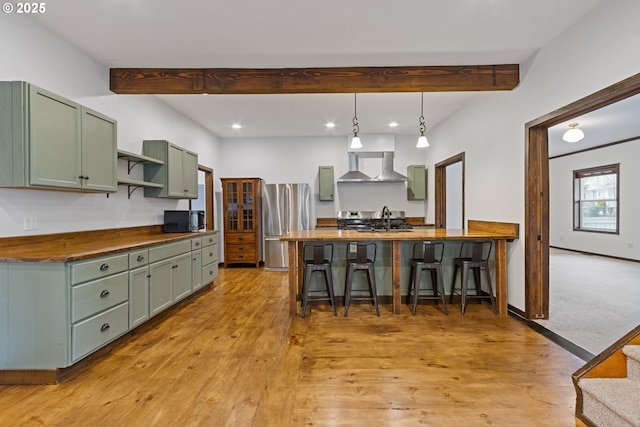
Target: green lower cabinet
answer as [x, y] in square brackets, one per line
[53, 314]
[138, 296]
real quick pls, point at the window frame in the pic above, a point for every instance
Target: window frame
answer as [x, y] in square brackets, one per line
[613, 169]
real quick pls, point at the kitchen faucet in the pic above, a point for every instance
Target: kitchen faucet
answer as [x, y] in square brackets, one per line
[386, 218]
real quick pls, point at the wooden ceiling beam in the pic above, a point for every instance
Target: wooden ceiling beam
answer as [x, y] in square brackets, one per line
[314, 80]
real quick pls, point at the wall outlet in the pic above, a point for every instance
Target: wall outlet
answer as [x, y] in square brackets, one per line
[30, 223]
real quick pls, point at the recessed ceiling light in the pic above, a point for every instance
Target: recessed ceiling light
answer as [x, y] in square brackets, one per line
[393, 124]
[236, 126]
[330, 125]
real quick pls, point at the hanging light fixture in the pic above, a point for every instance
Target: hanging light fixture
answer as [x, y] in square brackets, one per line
[355, 141]
[573, 134]
[422, 140]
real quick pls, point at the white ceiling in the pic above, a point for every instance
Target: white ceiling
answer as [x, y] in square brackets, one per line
[304, 33]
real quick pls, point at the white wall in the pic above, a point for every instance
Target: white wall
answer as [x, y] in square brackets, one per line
[624, 245]
[279, 160]
[596, 52]
[31, 53]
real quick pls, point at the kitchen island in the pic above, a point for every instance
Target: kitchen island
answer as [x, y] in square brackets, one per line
[498, 232]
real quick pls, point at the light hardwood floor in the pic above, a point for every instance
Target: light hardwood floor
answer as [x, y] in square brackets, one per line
[231, 356]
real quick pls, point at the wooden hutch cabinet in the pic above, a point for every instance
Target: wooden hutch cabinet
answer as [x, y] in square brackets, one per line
[241, 207]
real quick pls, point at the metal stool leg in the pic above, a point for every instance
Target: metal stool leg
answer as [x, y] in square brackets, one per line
[417, 273]
[488, 277]
[440, 286]
[329, 282]
[372, 286]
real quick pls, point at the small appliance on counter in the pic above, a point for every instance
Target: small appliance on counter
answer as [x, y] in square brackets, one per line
[183, 221]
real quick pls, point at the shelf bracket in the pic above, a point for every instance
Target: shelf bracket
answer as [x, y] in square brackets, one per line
[130, 191]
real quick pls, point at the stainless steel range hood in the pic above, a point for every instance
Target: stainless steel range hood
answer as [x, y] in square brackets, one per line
[388, 174]
[374, 145]
[354, 175]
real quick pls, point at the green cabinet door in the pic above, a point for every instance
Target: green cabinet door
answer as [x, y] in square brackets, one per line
[99, 151]
[417, 182]
[190, 174]
[138, 296]
[325, 183]
[55, 150]
[182, 286]
[175, 172]
[160, 286]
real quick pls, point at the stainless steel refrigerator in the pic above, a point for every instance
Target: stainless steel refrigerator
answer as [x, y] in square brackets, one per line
[285, 207]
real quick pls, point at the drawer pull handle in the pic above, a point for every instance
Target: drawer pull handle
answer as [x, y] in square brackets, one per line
[241, 239]
[104, 267]
[140, 258]
[104, 294]
[197, 243]
[210, 253]
[104, 327]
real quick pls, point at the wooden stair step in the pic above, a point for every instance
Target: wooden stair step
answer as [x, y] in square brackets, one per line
[611, 401]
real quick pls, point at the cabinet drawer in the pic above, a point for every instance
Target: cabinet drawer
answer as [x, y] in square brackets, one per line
[209, 272]
[138, 258]
[240, 238]
[170, 250]
[94, 332]
[209, 240]
[240, 249]
[93, 297]
[210, 254]
[240, 257]
[196, 243]
[100, 267]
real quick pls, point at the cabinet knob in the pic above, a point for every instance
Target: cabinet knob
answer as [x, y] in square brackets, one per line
[210, 253]
[104, 294]
[86, 178]
[104, 327]
[140, 258]
[104, 267]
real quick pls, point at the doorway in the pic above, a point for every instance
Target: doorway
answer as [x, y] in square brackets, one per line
[449, 188]
[537, 190]
[205, 196]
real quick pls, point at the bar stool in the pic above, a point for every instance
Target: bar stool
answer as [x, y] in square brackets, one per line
[474, 256]
[427, 256]
[359, 258]
[318, 258]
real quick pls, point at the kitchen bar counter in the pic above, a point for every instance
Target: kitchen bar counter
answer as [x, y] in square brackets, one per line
[66, 247]
[499, 232]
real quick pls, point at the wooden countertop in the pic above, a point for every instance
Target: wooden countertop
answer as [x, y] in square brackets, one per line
[412, 234]
[65, 247]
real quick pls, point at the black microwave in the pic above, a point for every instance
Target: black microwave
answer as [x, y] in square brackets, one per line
[183, 221]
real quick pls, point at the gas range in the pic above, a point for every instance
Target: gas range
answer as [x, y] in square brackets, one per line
[371, 220]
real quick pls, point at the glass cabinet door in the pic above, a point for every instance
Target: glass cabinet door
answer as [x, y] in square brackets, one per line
[247, 206]
[232, 206]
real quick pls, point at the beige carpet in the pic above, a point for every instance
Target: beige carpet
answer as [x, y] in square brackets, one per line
[593, 300]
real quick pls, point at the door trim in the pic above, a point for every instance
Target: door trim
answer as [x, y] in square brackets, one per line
[441, 189]
[537, 189]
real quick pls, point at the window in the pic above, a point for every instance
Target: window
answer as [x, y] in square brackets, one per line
[595, 196]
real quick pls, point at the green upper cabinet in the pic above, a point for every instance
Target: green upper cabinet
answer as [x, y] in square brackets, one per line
[416, 182]
[325, 183]
[178, 175]
[49, 141]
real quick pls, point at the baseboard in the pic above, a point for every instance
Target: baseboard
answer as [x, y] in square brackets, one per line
[594, 254]
[562, 342]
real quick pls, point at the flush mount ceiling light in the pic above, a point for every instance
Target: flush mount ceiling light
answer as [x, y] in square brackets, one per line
[355, 141]
[393, 124]
[573, 134]
[330, 125]
[422, 140]
[236, 126]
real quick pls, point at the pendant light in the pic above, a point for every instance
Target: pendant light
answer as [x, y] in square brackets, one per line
[573, 134]
[422, 140]
[355, 141]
